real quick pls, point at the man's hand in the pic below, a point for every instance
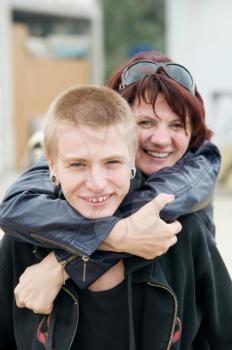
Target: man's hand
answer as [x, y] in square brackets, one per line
[144, 233]
[39, 285]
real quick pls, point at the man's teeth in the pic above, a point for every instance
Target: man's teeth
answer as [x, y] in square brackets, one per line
[98, 199]
[158, 154]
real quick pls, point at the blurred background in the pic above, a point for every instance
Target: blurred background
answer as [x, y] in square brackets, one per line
[49, 45]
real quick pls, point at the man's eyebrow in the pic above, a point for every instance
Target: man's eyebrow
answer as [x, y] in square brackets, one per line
[81, 159]
[73, 159]
[115, 156]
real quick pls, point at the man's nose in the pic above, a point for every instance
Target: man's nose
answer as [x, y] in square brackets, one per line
[96, 180]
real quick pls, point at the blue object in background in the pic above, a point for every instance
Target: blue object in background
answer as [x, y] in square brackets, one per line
[140, 48]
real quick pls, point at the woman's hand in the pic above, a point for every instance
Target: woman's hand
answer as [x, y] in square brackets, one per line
[39, 285]
[143, 233]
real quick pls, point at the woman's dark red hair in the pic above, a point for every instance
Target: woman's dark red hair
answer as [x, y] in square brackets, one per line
[179, 99]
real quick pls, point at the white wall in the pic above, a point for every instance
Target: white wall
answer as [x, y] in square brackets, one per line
[199, 35]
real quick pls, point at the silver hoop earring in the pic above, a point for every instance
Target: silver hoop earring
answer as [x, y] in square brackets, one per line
[133, 172]
[53, 179]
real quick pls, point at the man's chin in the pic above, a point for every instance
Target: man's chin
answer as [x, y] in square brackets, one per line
[96, 213]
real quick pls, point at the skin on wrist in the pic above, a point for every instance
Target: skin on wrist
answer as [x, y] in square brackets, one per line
[116, 240]
[56, 267]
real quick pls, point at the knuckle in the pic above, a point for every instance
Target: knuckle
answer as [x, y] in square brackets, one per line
[166, 245]
[174, 240]
[20, 305]
[160, 252]
[20, 301]
[48, 309]
[30, 306]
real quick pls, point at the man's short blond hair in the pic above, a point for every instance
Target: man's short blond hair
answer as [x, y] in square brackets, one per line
[91, 106]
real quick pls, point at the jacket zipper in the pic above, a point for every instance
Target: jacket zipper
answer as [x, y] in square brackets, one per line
[77, 307]
[58, 244]
[63, 263]
[175, 311]
[85, 259]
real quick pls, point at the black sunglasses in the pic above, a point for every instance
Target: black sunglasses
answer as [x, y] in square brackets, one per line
[138, 70]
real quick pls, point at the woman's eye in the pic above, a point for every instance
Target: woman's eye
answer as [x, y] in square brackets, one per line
[177, 125]
[145, 123]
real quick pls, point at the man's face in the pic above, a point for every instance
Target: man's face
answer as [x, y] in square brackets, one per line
[93, 168]
[163, 139]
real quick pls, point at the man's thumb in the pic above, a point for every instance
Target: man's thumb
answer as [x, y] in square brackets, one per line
[162, 199]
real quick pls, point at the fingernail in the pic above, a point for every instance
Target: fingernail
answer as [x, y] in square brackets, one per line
[171, 196]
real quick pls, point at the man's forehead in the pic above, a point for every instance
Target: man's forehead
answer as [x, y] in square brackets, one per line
[87, 156]
[80, 144]
[95, 133]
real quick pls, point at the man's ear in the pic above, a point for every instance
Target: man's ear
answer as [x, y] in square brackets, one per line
[133, 160]
[52, 169]
[51, 163]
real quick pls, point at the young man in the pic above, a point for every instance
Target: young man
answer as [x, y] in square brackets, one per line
[90, 142]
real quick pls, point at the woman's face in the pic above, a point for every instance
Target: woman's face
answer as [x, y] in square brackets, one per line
[163, 140]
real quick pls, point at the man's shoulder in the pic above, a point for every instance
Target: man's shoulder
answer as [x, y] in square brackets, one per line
[195, 231]
[194, 222]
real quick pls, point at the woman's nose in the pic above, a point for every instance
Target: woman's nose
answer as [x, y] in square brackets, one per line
[160, 136]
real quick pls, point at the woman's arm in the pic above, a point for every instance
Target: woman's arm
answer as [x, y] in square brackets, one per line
[32, 211]
[40, 283]
[24, 211]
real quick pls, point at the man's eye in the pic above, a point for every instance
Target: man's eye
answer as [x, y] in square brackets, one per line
[113, 161]
[77, 165]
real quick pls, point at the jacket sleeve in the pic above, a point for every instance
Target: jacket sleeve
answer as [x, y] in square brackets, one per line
[214, 295]
[192, 180]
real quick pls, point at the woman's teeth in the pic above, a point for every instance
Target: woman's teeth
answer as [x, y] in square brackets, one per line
[158, 154]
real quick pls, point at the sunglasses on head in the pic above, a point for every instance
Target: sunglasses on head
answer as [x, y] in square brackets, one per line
[140, 69]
